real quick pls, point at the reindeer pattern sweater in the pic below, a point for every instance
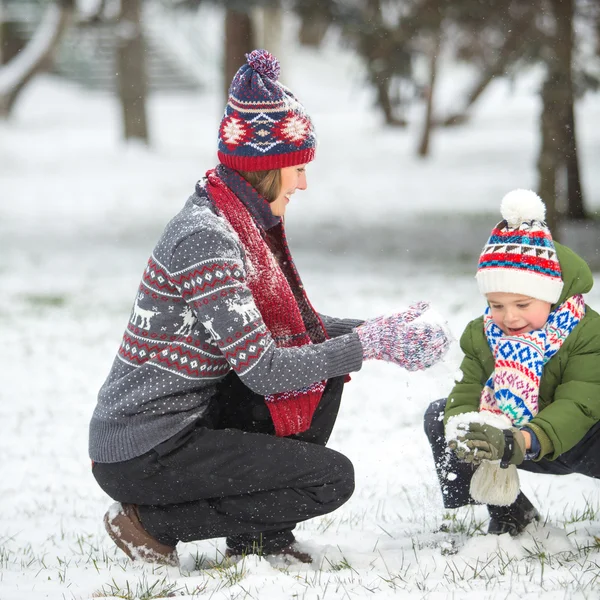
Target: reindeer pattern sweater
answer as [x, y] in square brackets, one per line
[193, 320]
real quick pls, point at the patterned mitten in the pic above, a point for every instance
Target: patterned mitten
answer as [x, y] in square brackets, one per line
[404, 339]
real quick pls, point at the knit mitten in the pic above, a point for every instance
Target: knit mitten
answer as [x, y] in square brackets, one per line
[404, 338]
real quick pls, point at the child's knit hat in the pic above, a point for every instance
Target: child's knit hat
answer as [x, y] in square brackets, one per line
[520, 256]
[264, 126]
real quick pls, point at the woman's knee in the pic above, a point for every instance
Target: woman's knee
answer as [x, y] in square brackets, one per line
[346, 477]
[341, 481]
[433, 420]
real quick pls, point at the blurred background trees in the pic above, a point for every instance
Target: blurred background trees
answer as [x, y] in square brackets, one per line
[133, 47]
[23, 54]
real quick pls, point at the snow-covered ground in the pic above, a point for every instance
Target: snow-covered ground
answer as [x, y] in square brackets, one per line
[79, 213]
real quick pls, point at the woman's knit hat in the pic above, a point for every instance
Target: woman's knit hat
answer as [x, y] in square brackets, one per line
[264, 126]
[520, 256]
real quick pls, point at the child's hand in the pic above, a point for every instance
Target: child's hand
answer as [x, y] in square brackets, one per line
[405, 339]
[478, 442]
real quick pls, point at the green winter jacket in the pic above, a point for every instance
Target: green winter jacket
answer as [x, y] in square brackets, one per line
[569, 399]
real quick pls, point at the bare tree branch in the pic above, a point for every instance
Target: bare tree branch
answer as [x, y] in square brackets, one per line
[40, 50]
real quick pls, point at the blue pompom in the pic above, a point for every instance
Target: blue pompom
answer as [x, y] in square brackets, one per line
[264, 63]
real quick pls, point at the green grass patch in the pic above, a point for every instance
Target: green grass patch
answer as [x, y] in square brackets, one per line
[45, 300]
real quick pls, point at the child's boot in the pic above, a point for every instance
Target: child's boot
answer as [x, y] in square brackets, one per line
[514, 518]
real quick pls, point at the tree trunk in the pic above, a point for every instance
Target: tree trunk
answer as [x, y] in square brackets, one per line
[575, 203]
[132, 82]
[313, 29]
[382, 85]
[268, 28]
[548, 158]
[374, 48]
[12, 42]
[2, 28]
[36, 55]
[558, 149]
[239, 40]
[428, 124]
[563, 14]
[315, 19]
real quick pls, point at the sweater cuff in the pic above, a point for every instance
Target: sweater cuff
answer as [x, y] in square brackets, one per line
[337, 327]
[534, 448]
[546, 445]
[345, 355]
[292, 412]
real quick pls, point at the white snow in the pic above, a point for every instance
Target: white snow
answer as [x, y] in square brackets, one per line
[79, 215]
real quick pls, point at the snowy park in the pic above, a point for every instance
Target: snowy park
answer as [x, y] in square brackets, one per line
[377, 229]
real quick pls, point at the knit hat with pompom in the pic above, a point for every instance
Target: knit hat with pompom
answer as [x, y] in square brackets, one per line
[264, 126]
[520, 256]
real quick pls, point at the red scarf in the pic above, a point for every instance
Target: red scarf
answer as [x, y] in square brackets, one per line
[292, 411]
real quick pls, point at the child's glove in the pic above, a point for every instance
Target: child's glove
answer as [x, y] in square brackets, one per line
[481, 442]
[401, 339]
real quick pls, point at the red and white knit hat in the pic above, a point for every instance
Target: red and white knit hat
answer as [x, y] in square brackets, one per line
[264, 126]
[520, 256]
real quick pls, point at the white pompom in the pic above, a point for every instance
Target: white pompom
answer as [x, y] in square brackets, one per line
[522, 205]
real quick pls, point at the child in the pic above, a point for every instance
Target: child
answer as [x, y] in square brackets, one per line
[532, 359]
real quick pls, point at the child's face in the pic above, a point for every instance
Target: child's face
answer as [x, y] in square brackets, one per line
[516, 314]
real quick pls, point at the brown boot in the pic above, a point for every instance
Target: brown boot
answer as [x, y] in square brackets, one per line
[123, 525]
[290, 551]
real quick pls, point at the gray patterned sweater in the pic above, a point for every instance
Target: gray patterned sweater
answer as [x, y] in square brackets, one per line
[193, 320]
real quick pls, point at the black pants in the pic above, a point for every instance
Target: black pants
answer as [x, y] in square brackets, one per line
[228, 475]
[455, 476]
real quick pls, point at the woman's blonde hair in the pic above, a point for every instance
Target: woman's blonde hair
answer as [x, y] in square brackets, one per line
[266, 183]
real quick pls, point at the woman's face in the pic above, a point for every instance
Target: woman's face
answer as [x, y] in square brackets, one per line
[292, 179]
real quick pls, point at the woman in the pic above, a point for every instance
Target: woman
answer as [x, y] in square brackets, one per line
[214, 418]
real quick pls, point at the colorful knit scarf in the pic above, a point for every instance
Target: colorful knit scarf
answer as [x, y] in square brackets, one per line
[513, 387]
[292, 411]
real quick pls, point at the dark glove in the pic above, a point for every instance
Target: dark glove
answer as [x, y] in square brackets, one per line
[481, 442]
[402, 339]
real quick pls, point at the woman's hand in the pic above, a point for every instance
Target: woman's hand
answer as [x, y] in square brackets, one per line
[405, 339]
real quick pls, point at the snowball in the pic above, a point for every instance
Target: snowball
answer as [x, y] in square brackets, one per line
[432, 317]
[522, 205]
[457, 424]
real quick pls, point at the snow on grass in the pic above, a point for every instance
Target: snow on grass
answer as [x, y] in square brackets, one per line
[79, 214]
